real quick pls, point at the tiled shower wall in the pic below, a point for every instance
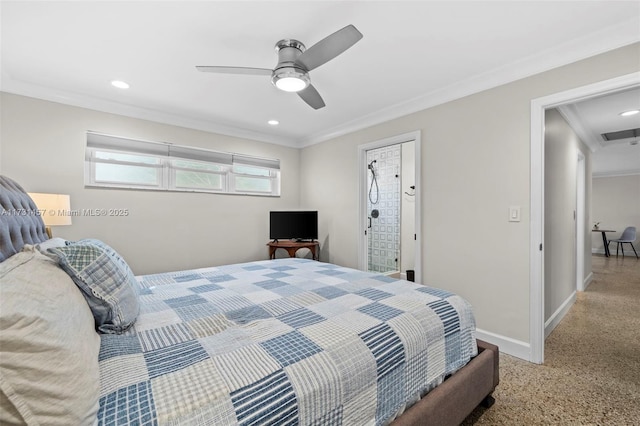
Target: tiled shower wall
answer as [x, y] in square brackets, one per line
[384, 234]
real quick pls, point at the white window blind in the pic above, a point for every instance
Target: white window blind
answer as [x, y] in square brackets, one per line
[119, 162]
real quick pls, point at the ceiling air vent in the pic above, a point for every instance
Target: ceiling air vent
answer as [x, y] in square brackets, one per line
[621, 134]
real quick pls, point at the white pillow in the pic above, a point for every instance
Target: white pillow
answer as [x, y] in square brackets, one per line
[48, 345]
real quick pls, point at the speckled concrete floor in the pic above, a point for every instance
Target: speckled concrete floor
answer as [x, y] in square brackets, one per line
[591, 373]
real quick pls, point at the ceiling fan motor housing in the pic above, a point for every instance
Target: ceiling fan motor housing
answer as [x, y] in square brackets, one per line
[291, 73]
[287, 68]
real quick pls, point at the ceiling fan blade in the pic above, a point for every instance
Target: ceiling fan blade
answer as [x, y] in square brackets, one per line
[235, 70]
[311, 96]
[329, 47]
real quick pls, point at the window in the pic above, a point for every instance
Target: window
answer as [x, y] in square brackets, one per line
[115, 167]
[190, 174]
[117, 162]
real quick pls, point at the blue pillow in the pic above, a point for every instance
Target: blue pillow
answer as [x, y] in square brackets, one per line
[116, 257]
[107, 283]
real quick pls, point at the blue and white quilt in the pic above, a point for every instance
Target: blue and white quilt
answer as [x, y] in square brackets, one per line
[281, 342]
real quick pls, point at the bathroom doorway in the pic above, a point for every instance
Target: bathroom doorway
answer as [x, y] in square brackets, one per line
[389, 202]
[383, 204]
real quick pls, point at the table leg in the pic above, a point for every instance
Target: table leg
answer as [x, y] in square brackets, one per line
[606, 244]
[292, 251]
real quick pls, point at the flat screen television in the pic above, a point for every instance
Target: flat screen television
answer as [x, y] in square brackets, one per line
[293, 225]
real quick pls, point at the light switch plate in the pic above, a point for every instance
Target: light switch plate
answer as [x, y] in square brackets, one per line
[514, 213]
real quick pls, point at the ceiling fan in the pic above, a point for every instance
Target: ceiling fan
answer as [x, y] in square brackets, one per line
[291, 73]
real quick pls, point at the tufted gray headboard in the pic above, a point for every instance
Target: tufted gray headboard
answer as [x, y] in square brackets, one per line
[20, 222]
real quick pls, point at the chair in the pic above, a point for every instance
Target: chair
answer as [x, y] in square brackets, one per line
[628, 236]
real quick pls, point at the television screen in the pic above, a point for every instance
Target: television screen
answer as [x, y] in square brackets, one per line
[290, 225]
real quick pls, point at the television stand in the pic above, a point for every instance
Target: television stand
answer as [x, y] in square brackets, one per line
[293, 246]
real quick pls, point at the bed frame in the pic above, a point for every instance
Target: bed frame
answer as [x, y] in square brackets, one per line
[448, 404]
[451, 402]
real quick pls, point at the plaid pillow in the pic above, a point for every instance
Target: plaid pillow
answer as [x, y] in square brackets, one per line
[116, 257]
[106, 281]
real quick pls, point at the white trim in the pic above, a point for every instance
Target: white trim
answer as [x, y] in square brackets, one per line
[587, 281]
[538, 106]
[580, 223]
[571, 115]
[10, 85]
[616, 174]
[606, 39]
[559, 314]
[362, 191]
[417, 135]
[610, 38]
[536, 230]
[507, 345]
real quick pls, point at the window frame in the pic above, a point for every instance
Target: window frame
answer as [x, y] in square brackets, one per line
[95, 182]
[173, 179]
[272, 178]
[166, 154]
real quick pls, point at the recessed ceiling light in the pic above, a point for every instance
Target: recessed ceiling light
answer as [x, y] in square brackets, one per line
[631, 112]
[119, 84]
[273, 122]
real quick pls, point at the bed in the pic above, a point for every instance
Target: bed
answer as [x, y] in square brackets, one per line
[284, 341]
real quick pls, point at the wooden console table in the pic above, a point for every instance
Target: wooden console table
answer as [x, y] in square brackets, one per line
[293, 246]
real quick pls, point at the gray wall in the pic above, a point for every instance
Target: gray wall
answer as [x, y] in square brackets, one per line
[475, 164]
[616, 205]
[43, 149]
[560, 188]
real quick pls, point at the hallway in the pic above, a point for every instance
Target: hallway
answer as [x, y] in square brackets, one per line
[591, 373]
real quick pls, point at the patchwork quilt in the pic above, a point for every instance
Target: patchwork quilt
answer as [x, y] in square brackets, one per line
[281, 342]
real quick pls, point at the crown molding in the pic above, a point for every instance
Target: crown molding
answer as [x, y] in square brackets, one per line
[621, 173]
[610, 38]
[10, 85]
[571, 115]
[607, 39]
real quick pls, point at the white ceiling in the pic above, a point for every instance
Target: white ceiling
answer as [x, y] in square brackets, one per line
[414, 54]
[593, 117]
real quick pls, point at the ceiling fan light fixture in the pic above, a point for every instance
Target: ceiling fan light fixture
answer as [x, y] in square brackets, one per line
[120, 84]
[290, 84]
[291, 73]
[290, 80]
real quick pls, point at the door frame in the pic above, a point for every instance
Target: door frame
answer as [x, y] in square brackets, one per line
[581, 193]
[362, 193]
[536, 260]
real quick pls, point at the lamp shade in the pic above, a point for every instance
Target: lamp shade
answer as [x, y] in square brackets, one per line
[55, 208]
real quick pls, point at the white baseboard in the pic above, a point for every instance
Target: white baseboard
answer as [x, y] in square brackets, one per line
[557, 316]
[597, 251]
[587, 281]
[520, 349]
[507, 345]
